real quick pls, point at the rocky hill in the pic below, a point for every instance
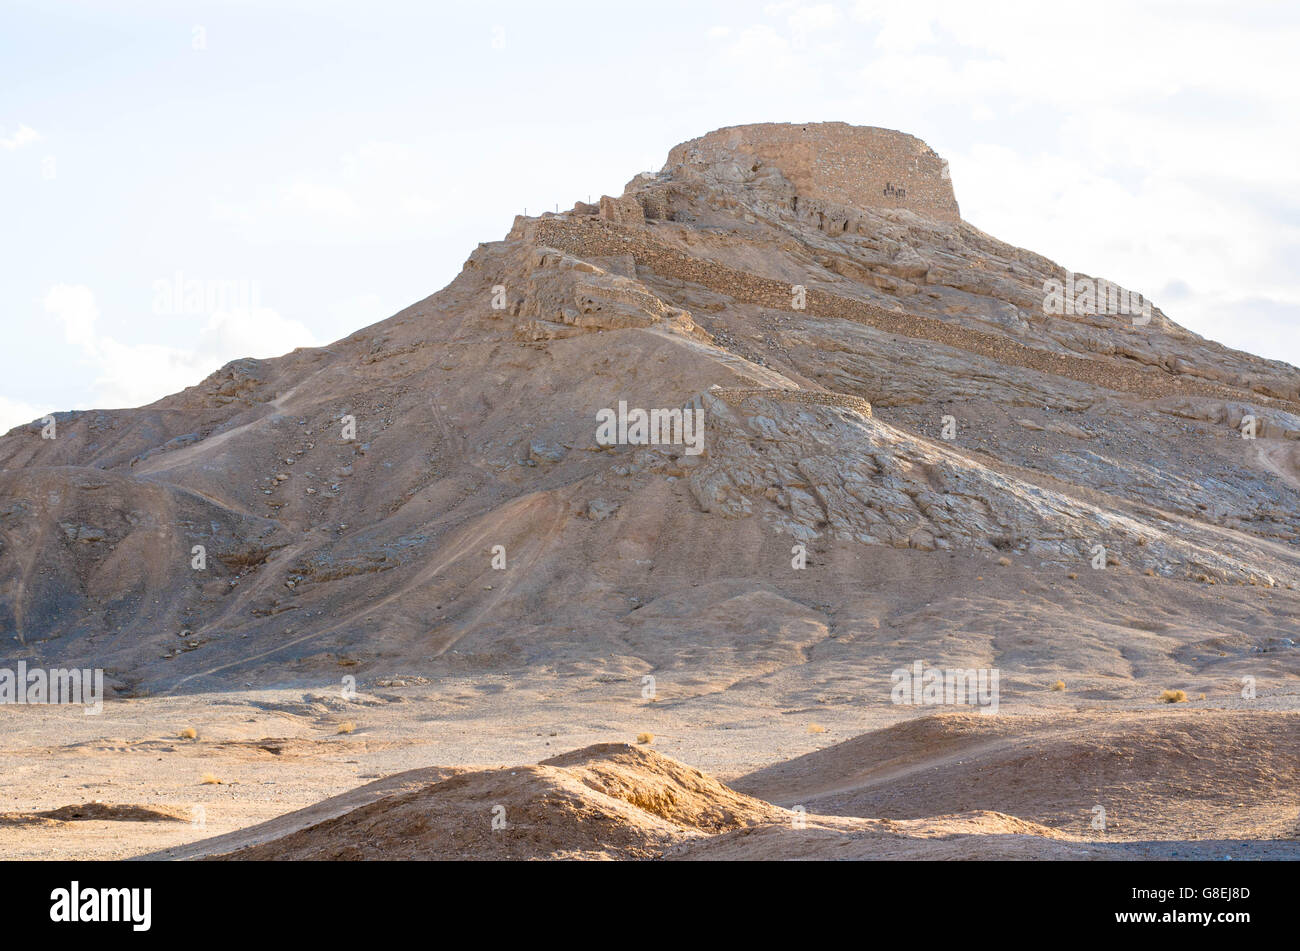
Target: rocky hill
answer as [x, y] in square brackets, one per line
[967, 470]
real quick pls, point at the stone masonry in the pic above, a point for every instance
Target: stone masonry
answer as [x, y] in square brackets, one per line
[858, 166]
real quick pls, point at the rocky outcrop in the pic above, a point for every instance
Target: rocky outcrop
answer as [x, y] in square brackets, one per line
[816, 467]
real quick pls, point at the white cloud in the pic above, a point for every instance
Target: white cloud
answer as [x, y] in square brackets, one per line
[17, 413]
[133, 374]
[257, 332]
[327, 200]
[380, 189]
[25, 135]
[809, 19]
[73, 305]
[360, 310]
[761, 45]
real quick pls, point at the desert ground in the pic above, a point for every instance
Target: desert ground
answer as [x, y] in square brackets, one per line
[1212, 777]
[1200, 779]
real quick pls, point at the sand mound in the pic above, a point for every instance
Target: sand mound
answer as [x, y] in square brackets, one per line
[1186, 774]
[664, 787]
[969, 836]
[613, 801]
[326, 809]
[97, 812]
[605, 801]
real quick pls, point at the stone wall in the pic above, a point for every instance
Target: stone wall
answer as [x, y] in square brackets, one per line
[592, 237]
[858, 166]
[622, 210]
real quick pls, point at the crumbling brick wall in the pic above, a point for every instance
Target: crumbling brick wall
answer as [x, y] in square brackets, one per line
[623, 210]
[857, 166]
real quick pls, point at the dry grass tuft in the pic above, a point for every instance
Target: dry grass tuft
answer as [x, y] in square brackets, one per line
[209, 780]
[816, 728]
[1173, 696]
[645, 737]
[189, 733]
[345, 727]
[1059, 685]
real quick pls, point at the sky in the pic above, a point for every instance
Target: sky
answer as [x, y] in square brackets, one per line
[303, 169]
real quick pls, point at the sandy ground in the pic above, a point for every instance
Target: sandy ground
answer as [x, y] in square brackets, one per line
[1185, 780]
